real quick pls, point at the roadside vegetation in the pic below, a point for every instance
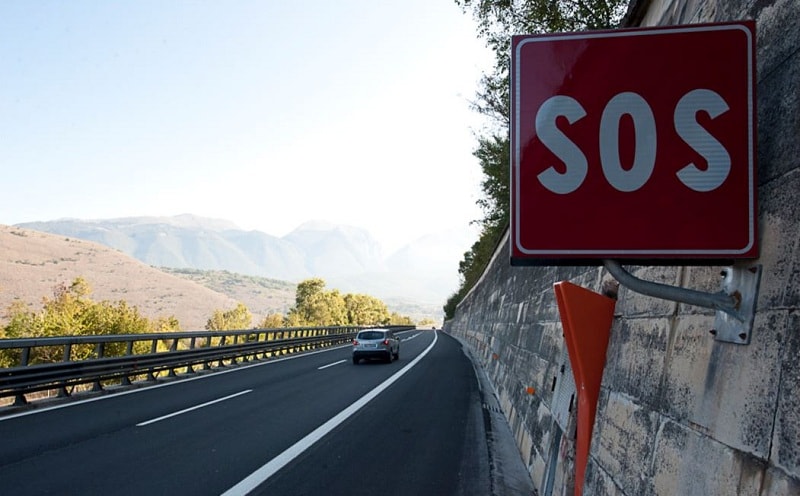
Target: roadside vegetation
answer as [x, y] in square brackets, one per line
[70, 311]
[497, 21]
[315, 306]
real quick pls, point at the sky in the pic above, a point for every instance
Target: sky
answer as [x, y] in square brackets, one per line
[267, 113]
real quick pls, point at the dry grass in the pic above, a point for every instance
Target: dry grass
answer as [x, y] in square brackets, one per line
[32, 263]
[262, 296]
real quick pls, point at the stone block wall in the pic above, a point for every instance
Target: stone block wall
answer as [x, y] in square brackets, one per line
[679, 413]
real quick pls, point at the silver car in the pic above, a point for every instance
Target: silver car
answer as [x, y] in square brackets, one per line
[376, 343]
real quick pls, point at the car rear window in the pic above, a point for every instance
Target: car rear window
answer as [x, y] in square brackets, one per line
[370, 335]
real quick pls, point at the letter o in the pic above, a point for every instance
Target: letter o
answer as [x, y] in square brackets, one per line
[644, 159]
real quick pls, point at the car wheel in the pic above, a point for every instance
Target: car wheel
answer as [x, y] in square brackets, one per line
[397, 355]
[355, 361]
[389, 358]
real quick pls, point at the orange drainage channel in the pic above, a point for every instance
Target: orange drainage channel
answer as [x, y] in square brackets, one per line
[586, 317]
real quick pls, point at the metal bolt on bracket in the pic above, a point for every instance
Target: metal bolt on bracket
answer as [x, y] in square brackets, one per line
[735, 304]
[741, 283]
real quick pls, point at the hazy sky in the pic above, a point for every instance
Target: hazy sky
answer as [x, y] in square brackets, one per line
[267, 113]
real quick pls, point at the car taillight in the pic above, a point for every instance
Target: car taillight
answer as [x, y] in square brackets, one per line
[386, 342]
[355, 342]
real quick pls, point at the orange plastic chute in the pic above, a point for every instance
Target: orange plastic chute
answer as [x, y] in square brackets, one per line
[586, 317]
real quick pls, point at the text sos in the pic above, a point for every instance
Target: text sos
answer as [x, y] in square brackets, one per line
[632, 178]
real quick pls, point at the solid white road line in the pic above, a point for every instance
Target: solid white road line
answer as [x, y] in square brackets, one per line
[196, 407]
[331, 364]
[265, 472]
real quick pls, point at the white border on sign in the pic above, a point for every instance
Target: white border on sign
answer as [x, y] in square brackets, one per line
[630, 33]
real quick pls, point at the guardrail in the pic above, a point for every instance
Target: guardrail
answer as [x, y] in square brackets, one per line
[124, 358]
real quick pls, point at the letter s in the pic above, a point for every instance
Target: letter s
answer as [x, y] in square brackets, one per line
[561, 146]
[701, 141]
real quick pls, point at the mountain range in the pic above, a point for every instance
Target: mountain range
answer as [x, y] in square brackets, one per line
[423, 272]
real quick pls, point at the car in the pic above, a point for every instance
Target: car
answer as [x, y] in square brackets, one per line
[376, 343]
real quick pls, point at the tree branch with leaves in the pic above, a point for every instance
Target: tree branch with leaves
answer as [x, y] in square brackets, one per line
[498, 21]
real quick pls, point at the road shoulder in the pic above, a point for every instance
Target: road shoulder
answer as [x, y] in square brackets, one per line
[508, 473]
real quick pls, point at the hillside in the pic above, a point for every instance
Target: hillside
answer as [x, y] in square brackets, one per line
[423, 273]
[260, 295]
[264, 296]
[32, 263]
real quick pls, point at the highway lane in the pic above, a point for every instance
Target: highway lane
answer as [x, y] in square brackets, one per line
[207, 435]
[424, 437]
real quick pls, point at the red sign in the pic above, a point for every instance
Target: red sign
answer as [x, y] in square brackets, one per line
[634, 144]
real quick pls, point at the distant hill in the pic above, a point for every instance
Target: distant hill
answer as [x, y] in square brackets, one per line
[33, 263]
[422, 275]
[188, 242]
[262, 296]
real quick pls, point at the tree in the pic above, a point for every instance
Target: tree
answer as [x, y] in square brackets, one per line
[103, 318]
[22, 324]
[308, 289]
[316, 306]
[65, 314]
[326, 308]
[166, 324]
[497, 21]
[493, 154]
[230, 320]
[272, 321]
[397, 319]
[71, 312]
[365, 310]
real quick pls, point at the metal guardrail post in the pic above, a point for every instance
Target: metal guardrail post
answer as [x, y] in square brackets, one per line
[125, 380]
[207, 345]
[62, 391]
[100, 352]
[153, 349]
[221, 362]
[172, 347]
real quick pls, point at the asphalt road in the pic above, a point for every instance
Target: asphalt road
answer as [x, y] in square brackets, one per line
[312, 424]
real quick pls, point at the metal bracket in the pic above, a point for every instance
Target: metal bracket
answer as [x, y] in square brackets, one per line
[735, 304]
[742, 283]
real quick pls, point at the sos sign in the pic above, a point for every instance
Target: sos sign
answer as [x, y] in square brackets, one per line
[634, 144]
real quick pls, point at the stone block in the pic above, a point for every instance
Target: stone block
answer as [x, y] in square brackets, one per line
[724, 390]
[706, 278]
[686, 365]
[598, 483]
[786, 438]
[776, 267]
[778, 38]
[622, 441]
[688, 463]
[777, 483]
[778, 108]
[633, 304]
[780, 254]
[635, 358]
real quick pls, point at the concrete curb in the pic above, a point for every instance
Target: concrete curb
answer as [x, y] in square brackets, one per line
[508, 473]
